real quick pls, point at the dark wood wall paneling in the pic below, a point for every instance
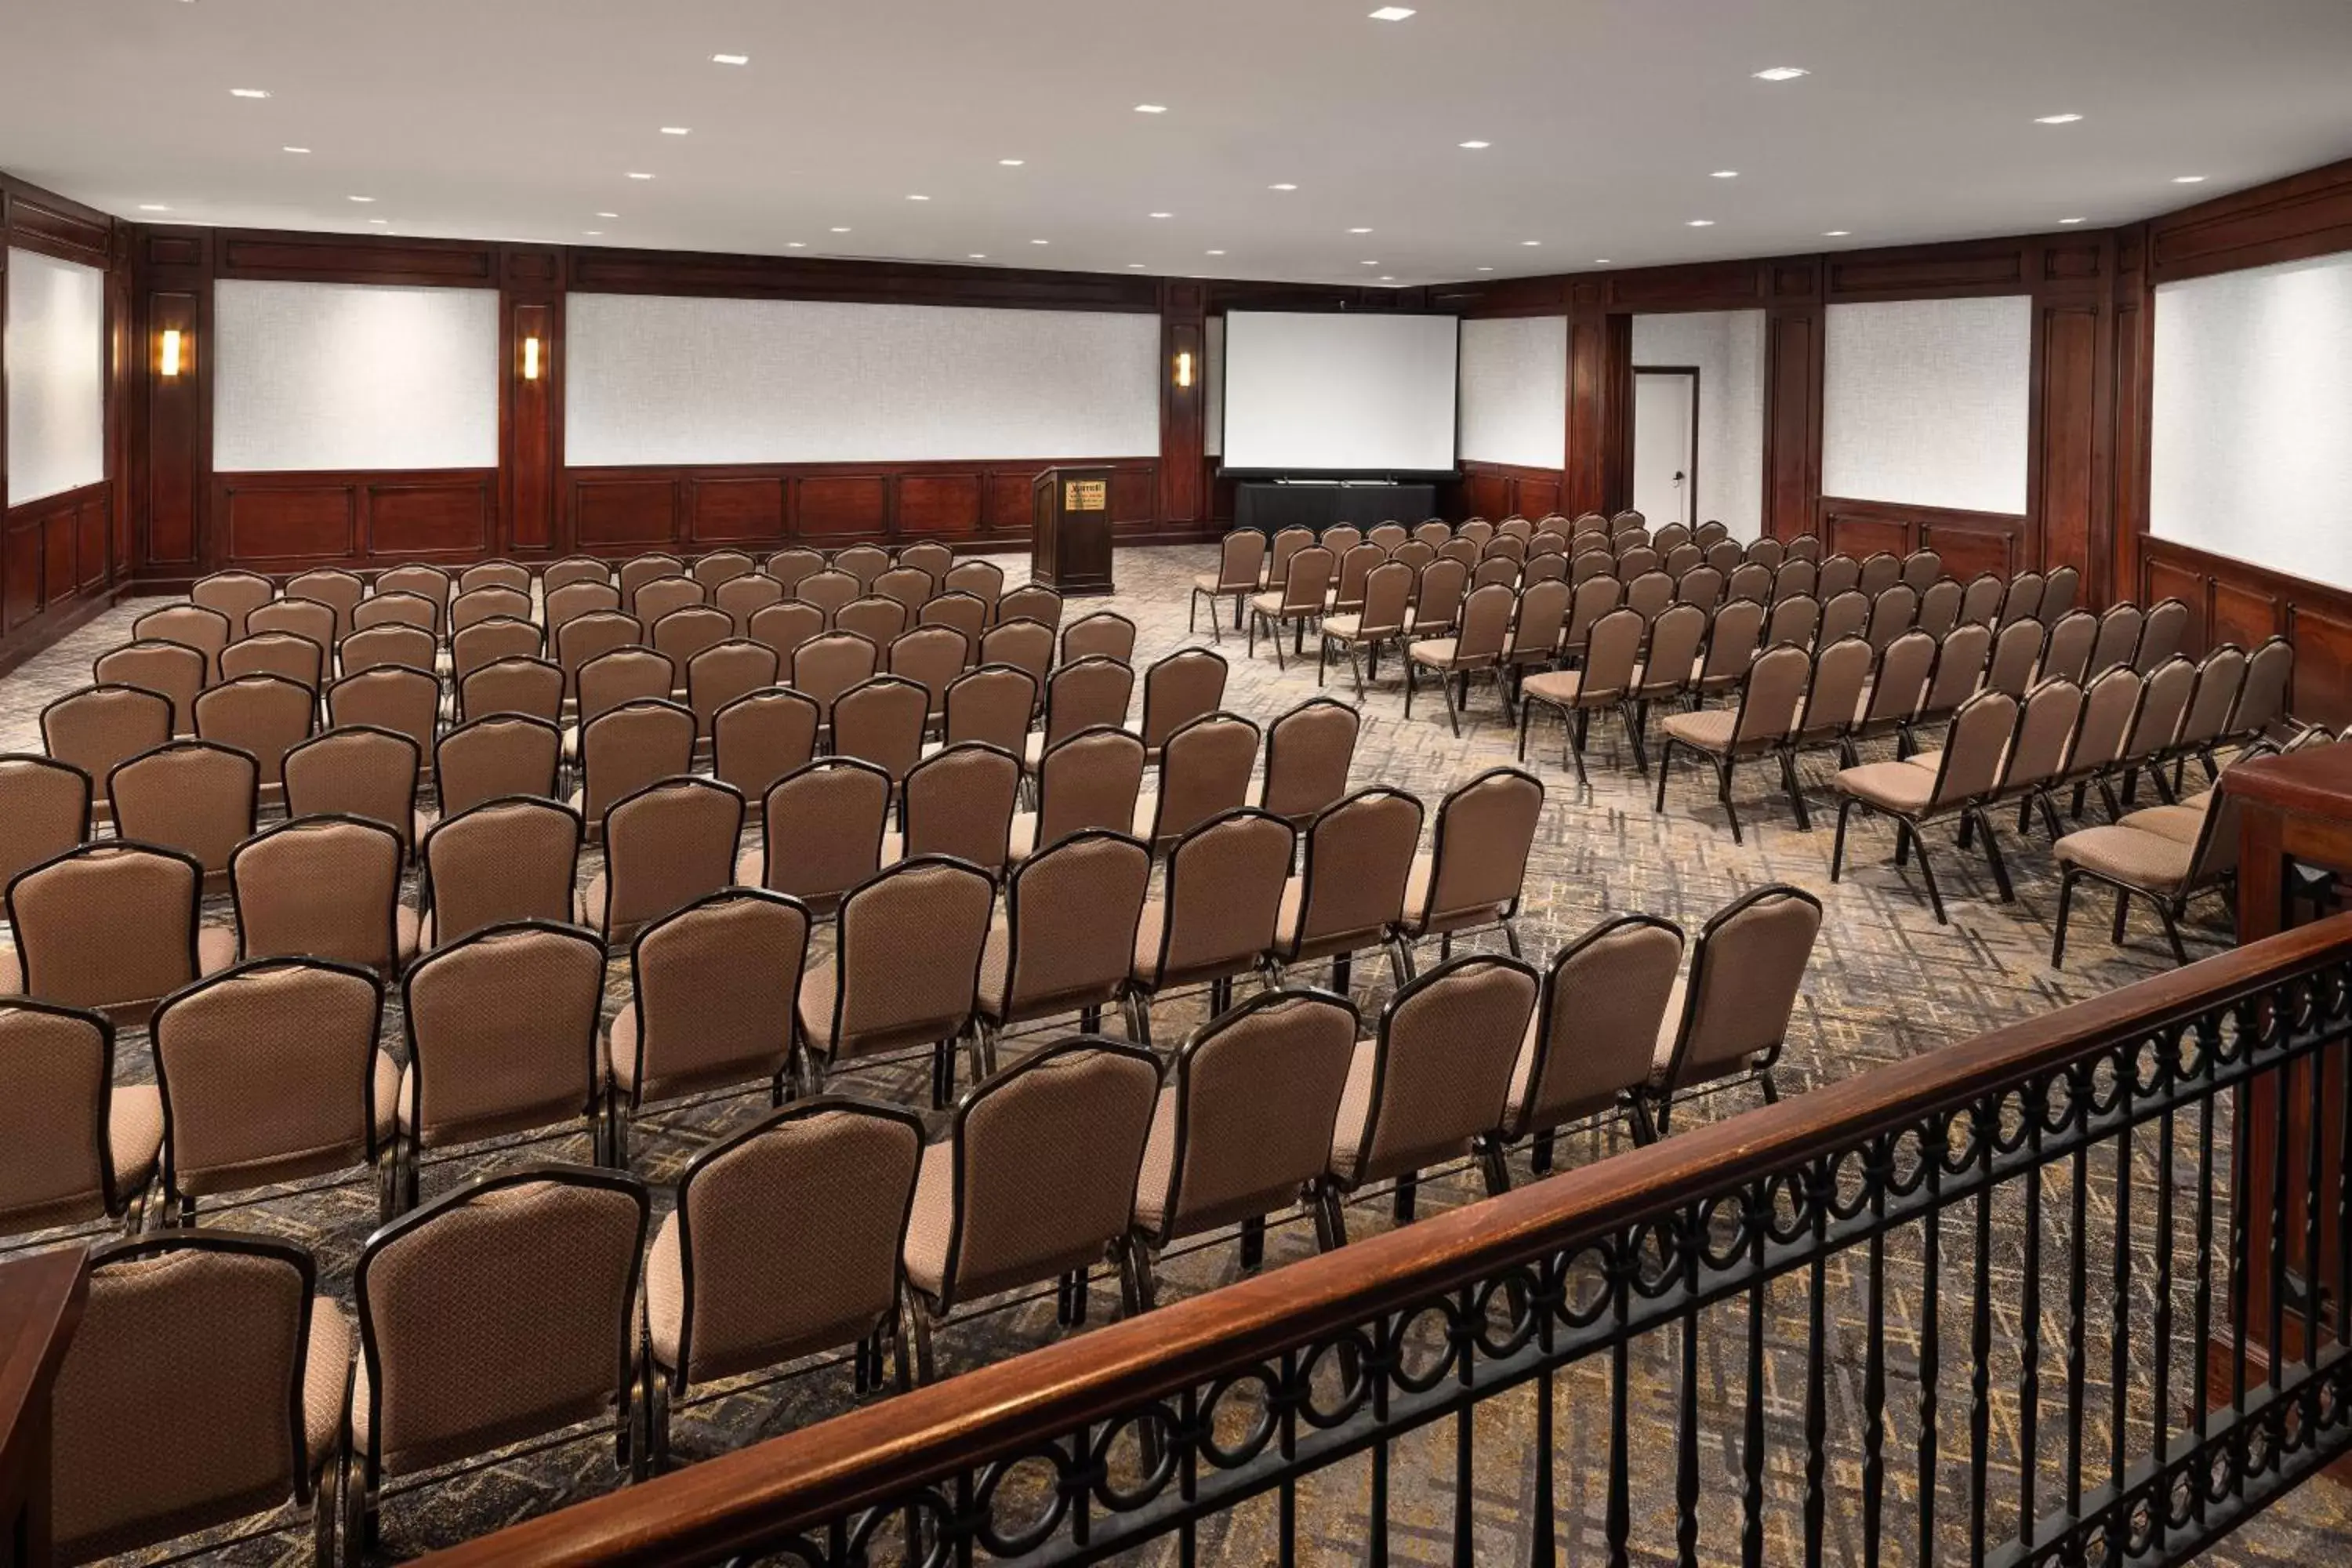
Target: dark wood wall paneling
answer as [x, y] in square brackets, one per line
[62, 556]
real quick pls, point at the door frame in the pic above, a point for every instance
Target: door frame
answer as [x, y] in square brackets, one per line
[1691, 370]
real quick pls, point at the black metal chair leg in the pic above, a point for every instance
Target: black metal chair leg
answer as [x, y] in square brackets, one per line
[2000, 867]
[2123, 911]
[2171, 929]
[1722, 770]
[1927, 874]
[1837, 850]
[2067, 881]
[1796, 792]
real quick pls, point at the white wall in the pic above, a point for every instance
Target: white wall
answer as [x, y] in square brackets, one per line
[56, 360]
[2251, 454]
[1514, 391]
[1727, 347]
[353, 375]
[1924, 402]
[657, 379]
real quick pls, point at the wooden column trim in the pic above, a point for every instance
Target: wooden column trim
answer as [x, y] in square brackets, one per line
[1183, 410]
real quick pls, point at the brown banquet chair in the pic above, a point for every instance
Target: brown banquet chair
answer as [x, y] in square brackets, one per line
[360, 772]
[170, 670]
[194, 796]
[44, 810]
[905, 969]
[98, 726]
[1218, 912]
[823, 825]
[760, 737]
[517, 859]
[235, 595]
[113, 926]
[324, 887]
[75, 1146]
[666, 845]
[1067, 939]
[1729, 1018]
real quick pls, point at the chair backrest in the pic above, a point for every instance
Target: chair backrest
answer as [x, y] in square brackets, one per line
[1034, 602]
[2016, 653]
[55, 1066]
[2164, 702]
[110, 926]
[1880, 571]
[357, 769]
[1981, 601]
[722, 566]
[1022, 644]
[2023, 600]
[1747, 969]
[1960, 667]
[2058, 593]
[397, 607]
[1288, 542]
[723, 673]
[572, 600]
[761, 736]
[1749, 580]
[929, 556]
[1839, 574]
[1359, 857]
[1841, 670]
[1892, 611]
[1306, 580]
[44, 810]
[320, 886]
[753, 1291]
[2162, 636]
[1675, 639]
[2220, 676]
[1239, 558]
[1939, 606]
[1611, 648]
[1605, 1000]
[573, 569]
[1355, 565]
[1432, 533]
[992, 703]
[503, 755]
[875, 617]
[393, 645]
[494, 574]
[909, 944]
[630, 674]
[1085, 695]
[713, 988]
[823, 829]
[1486, 625]
[1772, 696]
[1922, 569]
[1204, 769]
[1806, 547]
[1732, 635]
[2262, 698]
[1308, 753]
[1591, 599]
[339, 590]
[1105, 634]
[502, 1309]
[303, 617]
[502, 1029]
[983, 580]
[640, 570]
[1899, 684]
[1415, 553]
[1071, 911]
[478, 605]
[1224, 887]
[1068, 1124]
[191, 1365]
[664, 846]
[881, 721]
[486, 642]
[590, 635]
[635, 744]
[791, 567]
[264, 716]
[1486, 829]
[1648, 592]
[2045, 733]
[233, 594]
[190, 796]
[2110, 703]
[786, 626]
[1186, 684]
[1671, 536]
[1091, 780]
[688, 630]
[1975, 746]
[828, 590]
[2067, 651]
[1437, 595]
[429, 584]
[932, 658]
[967, 613]
[743, 597]
[191, 627]
[1496, 569]
[532, 686]
[826, 667]
[1794, 621]
[1796, 577]
[2115, 637]
[909, 586]
[503, 861]
[1440, 1072]
[1844, 614]
[1700, 585]
[959, 801]
[1256, 1091]
[267, 1073]
[286, 654]
[1539, 618]
[171, 670]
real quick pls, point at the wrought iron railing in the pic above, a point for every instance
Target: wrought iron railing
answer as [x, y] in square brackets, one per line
[1968, 1308]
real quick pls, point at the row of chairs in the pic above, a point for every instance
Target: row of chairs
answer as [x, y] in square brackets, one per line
[529, 1304]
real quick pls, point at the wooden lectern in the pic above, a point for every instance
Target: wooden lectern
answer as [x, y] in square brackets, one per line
[1069, 542]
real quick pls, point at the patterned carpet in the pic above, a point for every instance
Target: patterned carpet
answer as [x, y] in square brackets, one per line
[1887, 983]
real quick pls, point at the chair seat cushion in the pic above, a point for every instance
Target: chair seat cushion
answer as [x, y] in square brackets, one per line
[1348, 1129]
[135, 1134]
[1267, 604]
[1894, 787]
[325, 1375]
[664, 1292]
[1147, 942]
[1557, 686]
[932, 1221]
[2181, 824]
[2129, 855]
[1210, 582]
[995, 969]
[1437, 652]
[12, 974]
[1158, 1164]
[1710, 729]
[819, 983]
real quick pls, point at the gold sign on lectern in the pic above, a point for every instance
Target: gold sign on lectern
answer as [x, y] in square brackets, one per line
[1086, 495]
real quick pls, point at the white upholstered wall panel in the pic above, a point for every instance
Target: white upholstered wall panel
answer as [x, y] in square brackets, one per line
[56, 352]
[1727, 347]
[353, 375]
[1924, 402]
[1514, 391]
[657, 379]
[2253, 441]
[1212, 386]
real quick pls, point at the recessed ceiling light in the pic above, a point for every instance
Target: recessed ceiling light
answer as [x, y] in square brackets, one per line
[2056, 118]
[842, 229]
[1151, 108]
[1041, 242]
[248, 92]
[293, 149]
[2188, 179]
[915, 198]
[2070, 220]
[362, 198]
[1726, 175]
[154, 207]
[1216, 253]
[1360, 231]
[1386, 278]
[1486, 269]
[1835, 233]
[638, 176]
[977, 256]
[1531, 242]
[1011, 163]
[1163, 215]
[1392, 12]
[379, 220]
[730, 59]
[1135, 267]
[1477, 146]
[1371, 264]
[1781, 73]
[677, 130]
[608, 215]
[1285, 186]
[1700, 223]
[593, 233]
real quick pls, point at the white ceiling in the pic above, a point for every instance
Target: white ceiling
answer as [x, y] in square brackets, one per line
[521, 120]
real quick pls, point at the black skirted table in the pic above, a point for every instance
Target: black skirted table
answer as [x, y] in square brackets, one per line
[1270, 506]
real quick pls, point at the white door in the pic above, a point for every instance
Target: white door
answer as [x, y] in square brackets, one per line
[1665, 445]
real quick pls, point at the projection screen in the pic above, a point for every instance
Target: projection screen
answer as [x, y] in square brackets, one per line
[1340, 393]
[56, 356]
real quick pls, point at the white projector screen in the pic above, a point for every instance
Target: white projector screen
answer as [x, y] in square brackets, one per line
[1340, 393]
[1924, 402]
[663, 379]
[2253, 401]
[56, 357]
[309, 377]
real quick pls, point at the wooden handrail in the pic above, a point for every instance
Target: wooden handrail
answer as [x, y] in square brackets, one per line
[735, 1502]
[40, 1304]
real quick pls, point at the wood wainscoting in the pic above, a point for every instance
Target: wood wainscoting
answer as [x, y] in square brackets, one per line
[1498, 490]
[2234, 601]
[278, 523]
[56, 567]
[1971, 543]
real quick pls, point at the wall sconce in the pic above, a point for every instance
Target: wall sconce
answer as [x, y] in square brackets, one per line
[1184, 368]
[172, 351]
[530, 359]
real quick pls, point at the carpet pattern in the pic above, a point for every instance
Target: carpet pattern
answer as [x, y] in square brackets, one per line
[1887, 983]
